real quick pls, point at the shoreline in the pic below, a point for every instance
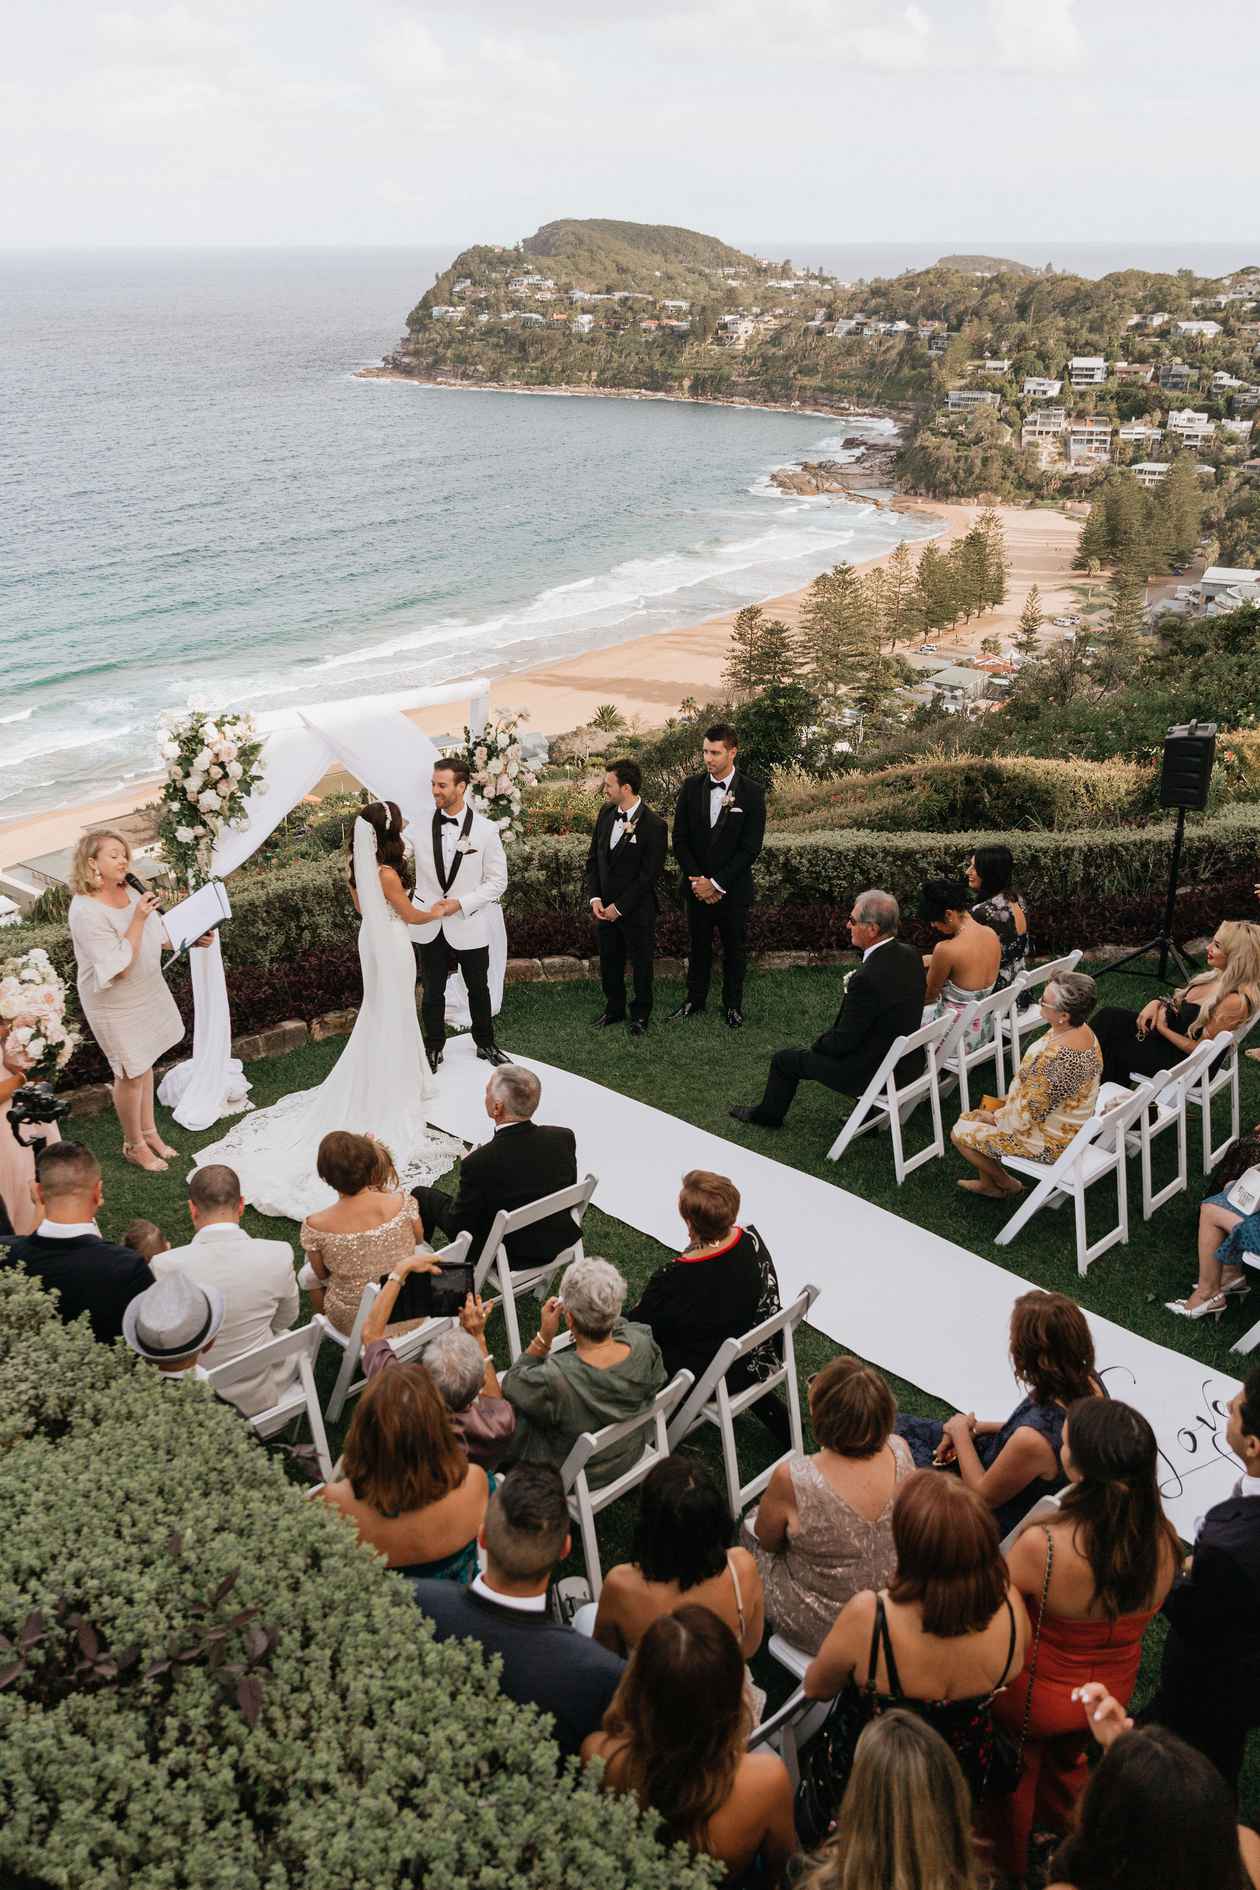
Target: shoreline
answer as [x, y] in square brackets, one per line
[649, 676]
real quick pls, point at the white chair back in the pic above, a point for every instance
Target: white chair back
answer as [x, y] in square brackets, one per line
[585, 1503]
[711, 1400]
[1172, 1089]
[1096, 1150]
[887, 1102]
[958, 1062]
[1223, 1075]
[407, 1346]
[300, 1399]
[513, 1285]
[1044, 1510]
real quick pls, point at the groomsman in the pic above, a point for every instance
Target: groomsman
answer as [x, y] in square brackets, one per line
[627, 853]
[460, 872]
[719, 826]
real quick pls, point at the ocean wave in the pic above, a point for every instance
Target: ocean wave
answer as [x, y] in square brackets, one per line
[21, 715]
[38, 751]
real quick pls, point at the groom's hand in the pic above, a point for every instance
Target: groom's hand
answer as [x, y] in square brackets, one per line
[445, 907]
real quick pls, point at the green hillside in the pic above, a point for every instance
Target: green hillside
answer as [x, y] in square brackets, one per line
[986, 265]
[594, 244]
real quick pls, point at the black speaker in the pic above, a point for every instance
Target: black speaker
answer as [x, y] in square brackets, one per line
[1189, 755]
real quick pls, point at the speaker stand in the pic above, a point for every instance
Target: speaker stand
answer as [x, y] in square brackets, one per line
[1163, 940]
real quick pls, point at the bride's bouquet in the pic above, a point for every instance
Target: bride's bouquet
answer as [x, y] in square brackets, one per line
[33, 1003]
[499, 775]
[212, 768]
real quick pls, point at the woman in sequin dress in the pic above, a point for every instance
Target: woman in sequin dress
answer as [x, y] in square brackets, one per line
[364, 1234]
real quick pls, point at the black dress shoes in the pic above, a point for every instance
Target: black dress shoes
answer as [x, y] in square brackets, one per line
[605, 1018]
[735, 1019]
[491, 1053]
[638, 1028]
[687, 1010]
[435, 1057]
[742, 1113]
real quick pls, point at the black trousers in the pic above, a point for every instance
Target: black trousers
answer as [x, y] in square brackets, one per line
[437, 1216]
[437, 960]
[619, 941]
[730, 922]
[1206, 1706]
[788, 1068]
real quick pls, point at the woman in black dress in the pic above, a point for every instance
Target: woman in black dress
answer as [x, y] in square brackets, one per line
[1167, 1029]
[989, 874]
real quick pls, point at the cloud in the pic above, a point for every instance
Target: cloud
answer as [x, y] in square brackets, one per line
[1035, 35]
[175, 35]
[837, 30]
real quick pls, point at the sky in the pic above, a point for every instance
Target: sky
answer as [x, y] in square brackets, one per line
[177, 122]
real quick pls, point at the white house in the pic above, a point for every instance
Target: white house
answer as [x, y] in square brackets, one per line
[995, 364]
[1089, 442]
[1138, 433]
[1191, 428]
[1149, 472]
[443, 312]
[1204, 329]
[1087, 370]
[1223, 383]
[676, 308]
[1240, 429]
[1229, 586]
[1037, 387]
[964, 399]
[583, 324]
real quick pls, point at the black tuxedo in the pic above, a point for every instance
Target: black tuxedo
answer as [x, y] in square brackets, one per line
[724, 851]
[88, 1274]
[544, 1664]
[1209, 1683]
[625, 876]
[522, 1162]
[883, 1000]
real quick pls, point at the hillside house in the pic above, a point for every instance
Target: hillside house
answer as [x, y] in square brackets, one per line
[1138, 433]
[1089, 442]
[1150, 473]
[1133, 373]
[445, 312]
[583, 324]
[1237, 429]
[1087, 370]
[995, 364]
[1225, 587]
[1176, 377]
[1038, 387]
[967, 399]
[1203, 331]
[1190, 428]
[676, 308]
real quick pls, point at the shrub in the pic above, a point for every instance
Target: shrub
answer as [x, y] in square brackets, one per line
[940, 793]
[138, 1522]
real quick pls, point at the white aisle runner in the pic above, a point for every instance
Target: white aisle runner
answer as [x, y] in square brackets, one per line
[912, 1302]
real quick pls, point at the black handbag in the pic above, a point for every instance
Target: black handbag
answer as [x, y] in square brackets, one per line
[828, 1758]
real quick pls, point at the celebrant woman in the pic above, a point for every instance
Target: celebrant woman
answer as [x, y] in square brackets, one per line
[379, 1083]
[118, 939]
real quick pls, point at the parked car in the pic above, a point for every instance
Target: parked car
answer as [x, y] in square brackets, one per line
[927, 649]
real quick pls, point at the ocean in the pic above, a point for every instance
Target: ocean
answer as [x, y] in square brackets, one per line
[202, 503]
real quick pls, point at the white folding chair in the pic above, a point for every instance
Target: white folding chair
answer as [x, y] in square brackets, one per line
[789, 1727]
[1098, 1149]
[586, 1503]
[711, 1401]
[957, 1062]
[888, 1103]
[300, 1398]
[1167, 1112]
[407, 1346]
[1022, 1025]
[1212, 1081]
[1251, 1338]
[1045, 1509]
[513, 1285]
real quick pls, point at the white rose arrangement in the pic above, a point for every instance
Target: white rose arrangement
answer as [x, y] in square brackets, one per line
[33, 1003]
[499, 776]
[212, 768]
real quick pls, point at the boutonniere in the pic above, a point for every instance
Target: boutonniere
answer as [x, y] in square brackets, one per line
[465, 846]
[631, 827]
[728, 803]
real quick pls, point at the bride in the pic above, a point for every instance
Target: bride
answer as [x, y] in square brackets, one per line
[379, 1084]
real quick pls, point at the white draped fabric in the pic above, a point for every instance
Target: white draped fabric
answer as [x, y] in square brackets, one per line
[374, 740]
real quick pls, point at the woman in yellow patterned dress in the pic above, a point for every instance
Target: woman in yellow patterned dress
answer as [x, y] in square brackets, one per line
[1052, 1096]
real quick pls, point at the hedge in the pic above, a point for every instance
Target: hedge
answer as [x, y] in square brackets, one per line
[218, 1687]
[291, 950]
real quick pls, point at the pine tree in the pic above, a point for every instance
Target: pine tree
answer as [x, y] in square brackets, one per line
[740, 674]
[1181, 501]
[775, 660]
[969, 562]
[1028, 636]
[836, 639]
[1091, 547]
[900, 615]
[996, 566]
[1116, 648]
[875, 584]
[936, 591]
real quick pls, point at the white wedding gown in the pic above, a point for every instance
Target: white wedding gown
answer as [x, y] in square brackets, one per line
[378, 1085]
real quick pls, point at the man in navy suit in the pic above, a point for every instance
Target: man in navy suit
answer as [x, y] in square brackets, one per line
[719, 827]
[1209, 1683]
[67, 1254]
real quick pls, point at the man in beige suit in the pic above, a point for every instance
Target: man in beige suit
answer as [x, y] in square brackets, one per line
[255, 1277]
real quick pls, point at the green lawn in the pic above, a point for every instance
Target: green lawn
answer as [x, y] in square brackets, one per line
[695, 1070]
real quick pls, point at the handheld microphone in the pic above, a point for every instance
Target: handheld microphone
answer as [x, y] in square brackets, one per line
[137, 885]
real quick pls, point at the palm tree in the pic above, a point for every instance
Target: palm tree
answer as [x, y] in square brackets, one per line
[608, 718]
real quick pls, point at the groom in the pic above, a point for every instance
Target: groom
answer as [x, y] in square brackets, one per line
[460, 871]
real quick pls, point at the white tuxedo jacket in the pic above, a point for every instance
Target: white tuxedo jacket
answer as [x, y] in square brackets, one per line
[260, 1301]
[480, 881]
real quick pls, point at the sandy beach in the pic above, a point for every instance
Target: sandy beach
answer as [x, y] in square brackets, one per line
[650, 676]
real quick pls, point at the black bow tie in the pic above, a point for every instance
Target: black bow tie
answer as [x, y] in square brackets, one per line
[450, 820]
[717, 787]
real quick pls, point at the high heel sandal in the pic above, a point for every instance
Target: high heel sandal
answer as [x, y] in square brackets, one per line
[1236, 1289]
[1213, 1307]
[161, 1149]
[132, 1152]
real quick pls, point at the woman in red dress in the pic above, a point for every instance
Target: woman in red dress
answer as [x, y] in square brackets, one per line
[1095, 1576]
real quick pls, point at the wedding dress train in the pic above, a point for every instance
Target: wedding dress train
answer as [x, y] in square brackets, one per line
[377, 1086]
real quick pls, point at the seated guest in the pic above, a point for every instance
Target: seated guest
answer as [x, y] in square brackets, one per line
[1154, 1813]
[66, 1252]
[459, 1363]
[946, 1635]
[720, 1287]
[146, 1239]
[906, 1817]
[406, 1484]
[521, 1163]
[361, 1236]
[682, 1556]
[610, 1372]
[255, 1278]
[525, 1535]
[1167, 1029]
[883, 999]
[674, 1737]
[989, 874]
[1011, 1465]
[965, 964]
[1052, 1095]
[823, 1529]
[1227, 1234]
[1104, 1565]
[1209, 1680]
[173, 1324]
